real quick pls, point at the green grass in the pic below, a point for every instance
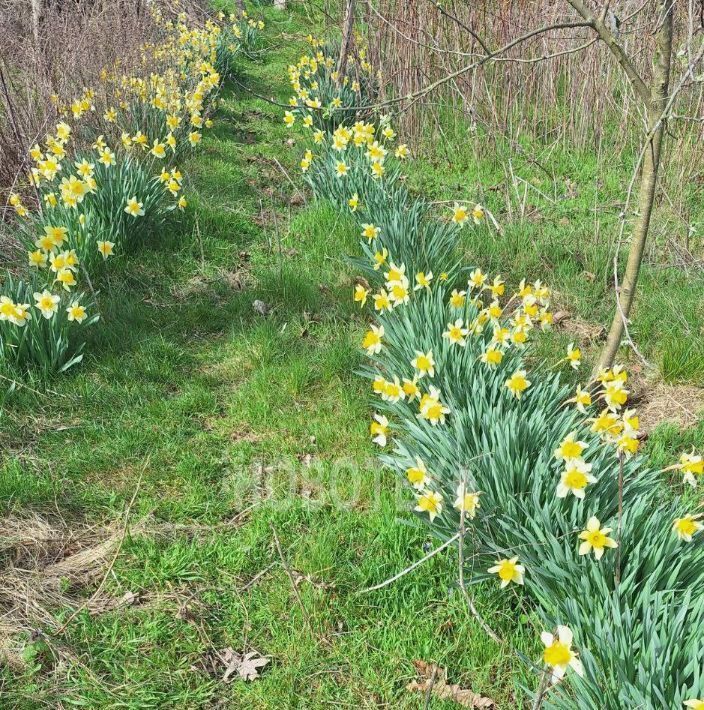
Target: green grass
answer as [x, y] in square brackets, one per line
[560, 224]
[559, 210]
[217, 412]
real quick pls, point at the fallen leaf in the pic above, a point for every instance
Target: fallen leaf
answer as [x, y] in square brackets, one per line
[263, 309]
[560, 316]
[245, 666]
[362, 282]
[296, 199]
[433, 680]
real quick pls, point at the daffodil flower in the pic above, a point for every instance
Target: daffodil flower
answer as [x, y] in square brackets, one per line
[417, 475]
[569, 448]
[558, 653]
[379, 429]
[467, 501]
[372, 340]
[47, 303]
[429, 502]
[424, 363]
[518, 383]
[595, 538]
[574, 479]
[687, 526]
[460, 214]
[456, 334]
[508, 571]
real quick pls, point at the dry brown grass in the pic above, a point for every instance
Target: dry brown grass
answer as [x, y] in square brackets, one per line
[659, 403]
[43, 562]
[567, 97]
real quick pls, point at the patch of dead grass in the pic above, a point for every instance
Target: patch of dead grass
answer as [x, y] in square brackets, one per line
[659, 402]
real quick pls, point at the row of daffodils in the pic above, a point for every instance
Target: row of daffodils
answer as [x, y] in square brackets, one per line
[103, 180]
[546, 480]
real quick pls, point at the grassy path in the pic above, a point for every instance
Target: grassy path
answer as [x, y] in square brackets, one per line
[231, 428]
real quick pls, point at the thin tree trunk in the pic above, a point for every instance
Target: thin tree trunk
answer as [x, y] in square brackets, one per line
[346, 38]
[648, 183]
[36, 19]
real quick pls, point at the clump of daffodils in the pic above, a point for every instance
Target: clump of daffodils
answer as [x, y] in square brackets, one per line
[452, 386]
[104, 172]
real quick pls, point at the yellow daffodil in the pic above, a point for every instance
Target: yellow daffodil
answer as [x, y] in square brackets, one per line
[574, 479]
[558, 654]
[595, 538]
[582, 399]
[378, 385]
[76, 312]
[431, 408]
[56, 236]
[423, 280]
[379, 429]
[458, 298]
[66, 278]
[106, 248]
[477, 279]
[429, 502]
[134, 207]
[424, 363]
[492, 356]
[38, 258]
[360, 294]
[372, 342]
[158, 149]
[411, 389]
[615, 395]
[401, 151]
[393, 391]
[508, 571]
[456, 334]
[518, 383]
[692, 465]
[382, 302]
[460, 214]
[47, 303]
[570, 449]
[418, 475]
[380, 258]
[467, 501]
[398, 292]
[370, 231]
[687, 526]
[574, 356]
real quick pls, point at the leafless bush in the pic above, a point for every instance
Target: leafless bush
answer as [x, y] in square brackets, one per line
[560, 84]
[561, 87]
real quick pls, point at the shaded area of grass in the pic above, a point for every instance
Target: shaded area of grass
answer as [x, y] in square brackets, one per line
[224, 413]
